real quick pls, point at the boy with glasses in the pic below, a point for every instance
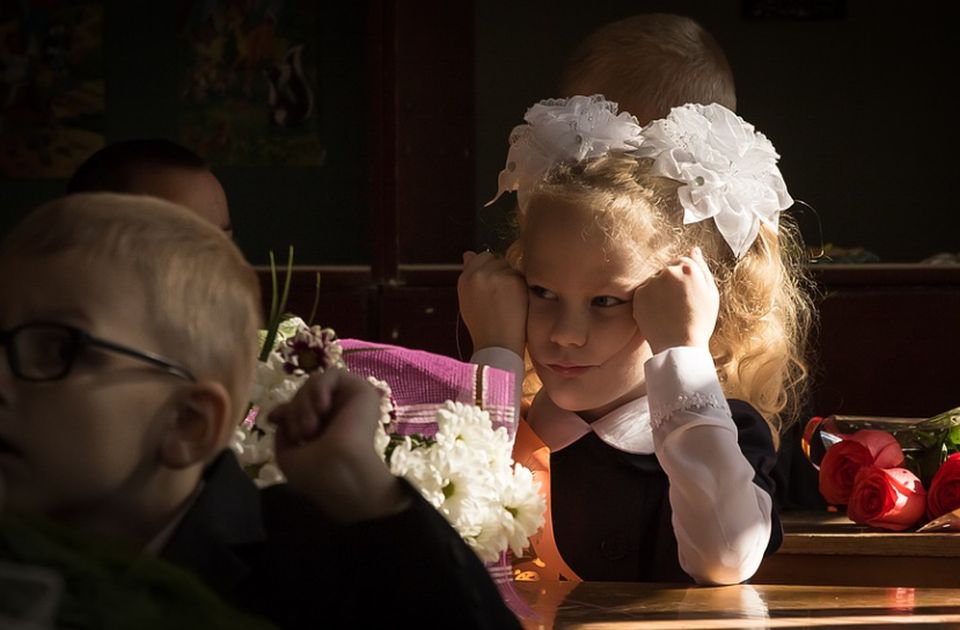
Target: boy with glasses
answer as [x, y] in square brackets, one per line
[128, 329]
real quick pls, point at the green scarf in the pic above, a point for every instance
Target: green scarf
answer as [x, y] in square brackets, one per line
[107, 586]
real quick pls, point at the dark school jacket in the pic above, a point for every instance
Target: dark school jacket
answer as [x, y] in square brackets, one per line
[272, 553]
[611, 509]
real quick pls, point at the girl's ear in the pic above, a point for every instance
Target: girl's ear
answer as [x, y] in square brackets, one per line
[197, 431]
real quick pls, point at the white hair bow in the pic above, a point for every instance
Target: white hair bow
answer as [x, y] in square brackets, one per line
[727, 169]
[563, 130]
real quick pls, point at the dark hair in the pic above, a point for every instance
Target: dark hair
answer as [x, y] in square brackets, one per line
[108, 169]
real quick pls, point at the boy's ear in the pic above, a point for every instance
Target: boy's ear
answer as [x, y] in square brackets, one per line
[196, 432]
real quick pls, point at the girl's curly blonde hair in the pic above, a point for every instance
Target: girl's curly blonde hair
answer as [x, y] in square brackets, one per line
[759, 344]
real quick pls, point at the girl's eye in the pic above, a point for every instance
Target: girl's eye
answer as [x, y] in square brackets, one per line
[544, 294]
[606, 301]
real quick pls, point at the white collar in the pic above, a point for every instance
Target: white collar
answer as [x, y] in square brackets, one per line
[626, 428]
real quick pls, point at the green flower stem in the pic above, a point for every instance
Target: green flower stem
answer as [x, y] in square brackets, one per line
[316, 302]
[277, 304]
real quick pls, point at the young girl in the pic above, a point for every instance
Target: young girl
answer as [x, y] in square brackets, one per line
[657, 294]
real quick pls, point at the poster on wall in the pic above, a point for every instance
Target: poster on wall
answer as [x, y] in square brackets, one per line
[249, 82]
[51, 86]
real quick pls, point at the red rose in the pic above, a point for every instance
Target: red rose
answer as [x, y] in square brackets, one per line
[843, 461]
[944, 494]
[839, 468]
[890, 498]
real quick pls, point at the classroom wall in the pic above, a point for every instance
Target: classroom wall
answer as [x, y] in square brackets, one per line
[857, 105]
[278, 196]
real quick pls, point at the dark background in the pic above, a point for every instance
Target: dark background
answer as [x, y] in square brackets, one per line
[418, 98]
[321, 210]
[855, 95]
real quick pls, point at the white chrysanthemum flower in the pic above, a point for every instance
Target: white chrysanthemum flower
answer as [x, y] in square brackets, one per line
[466, 471]
[252, 448]
[399, 462]
[472, 426]
[261, 420]
[381, 441]
[386, 399]
[522, 499]
[464, 510]
[238, 441]
[516, 512]
[269, 374]
[418, 464]
[493, 538]
[469, 498]
[269, 475]
[273, 385]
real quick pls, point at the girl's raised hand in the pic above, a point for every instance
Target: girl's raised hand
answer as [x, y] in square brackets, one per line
[493, 302]
[678, 305]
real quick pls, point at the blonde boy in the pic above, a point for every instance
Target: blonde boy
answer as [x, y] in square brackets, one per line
[129, 329]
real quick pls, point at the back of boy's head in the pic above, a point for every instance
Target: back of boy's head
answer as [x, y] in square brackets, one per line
[112, 168]
[203, 297]
[650, 63]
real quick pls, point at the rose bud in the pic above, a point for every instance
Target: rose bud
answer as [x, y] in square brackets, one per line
[944, 493]
[888, 498]
[839, 469]
[883, 447]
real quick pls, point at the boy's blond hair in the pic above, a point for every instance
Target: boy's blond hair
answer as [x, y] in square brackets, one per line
[759, 343]
[203, 297]
[649, 63]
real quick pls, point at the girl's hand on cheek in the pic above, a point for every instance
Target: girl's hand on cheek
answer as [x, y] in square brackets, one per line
[493, 302]
[678, 305]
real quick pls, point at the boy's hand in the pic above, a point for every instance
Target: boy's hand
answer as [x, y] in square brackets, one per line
[324, 445]
[678, 305]
[493, 302]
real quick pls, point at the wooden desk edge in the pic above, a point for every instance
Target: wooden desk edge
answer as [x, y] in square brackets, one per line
[872, 544]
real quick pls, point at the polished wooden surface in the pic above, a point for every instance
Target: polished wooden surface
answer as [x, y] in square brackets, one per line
[829, 549]
[619, 605]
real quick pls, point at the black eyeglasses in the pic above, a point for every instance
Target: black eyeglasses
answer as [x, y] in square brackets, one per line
[45, 351]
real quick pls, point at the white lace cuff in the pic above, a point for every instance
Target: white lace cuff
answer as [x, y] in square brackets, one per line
[681, 379]
[684, 403]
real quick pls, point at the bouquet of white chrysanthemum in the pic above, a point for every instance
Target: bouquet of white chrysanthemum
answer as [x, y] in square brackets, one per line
[295, 351]
[466, 471]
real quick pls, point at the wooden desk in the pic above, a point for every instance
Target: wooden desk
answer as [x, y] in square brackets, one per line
[622, 605]
[829, 549]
